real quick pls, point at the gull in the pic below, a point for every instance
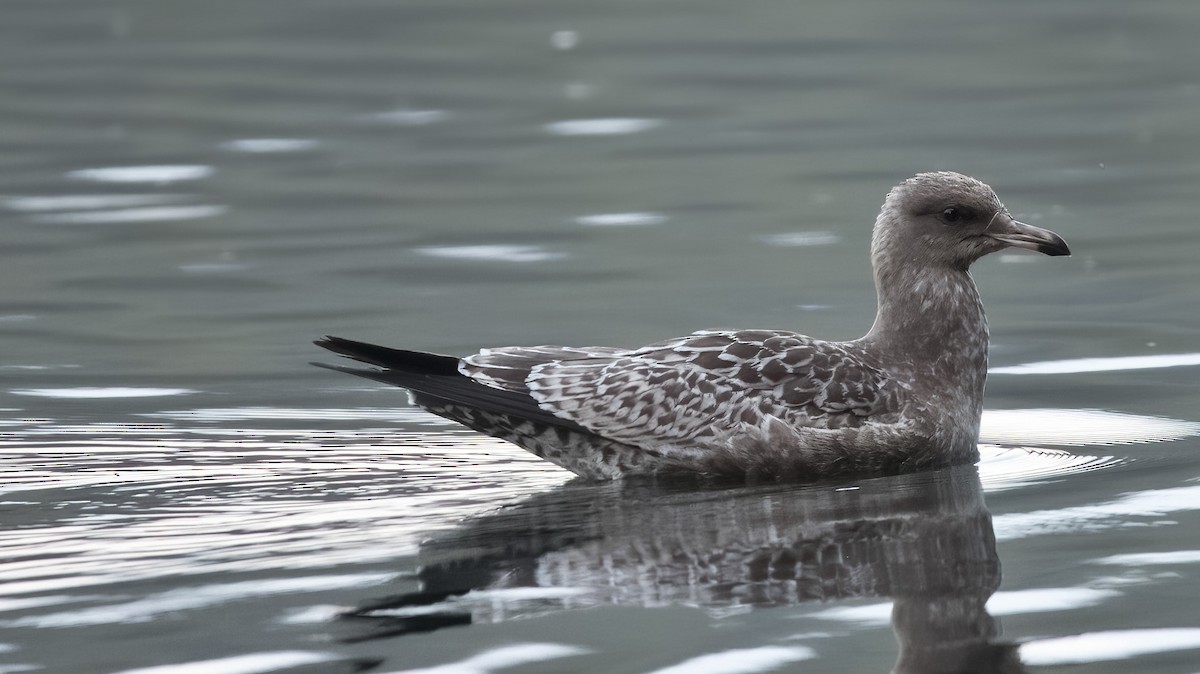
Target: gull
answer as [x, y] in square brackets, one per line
[773, 404]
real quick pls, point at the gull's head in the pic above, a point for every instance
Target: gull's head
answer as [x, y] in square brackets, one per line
[949, 219]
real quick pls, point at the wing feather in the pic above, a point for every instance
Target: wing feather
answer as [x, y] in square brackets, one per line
[696, 389]
[799, 372]
[643, 403]
[507, 368]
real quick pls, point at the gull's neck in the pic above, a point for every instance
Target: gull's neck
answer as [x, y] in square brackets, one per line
[930, 323]
[931, 334]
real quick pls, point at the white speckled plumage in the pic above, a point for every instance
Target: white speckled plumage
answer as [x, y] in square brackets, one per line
[908, 395]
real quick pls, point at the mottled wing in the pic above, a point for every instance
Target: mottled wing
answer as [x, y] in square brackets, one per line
[508, 367]
[696, 388]
[642, 402]
[799, 373]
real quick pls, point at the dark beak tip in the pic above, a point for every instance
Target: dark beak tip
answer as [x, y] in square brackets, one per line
[1055, 246]
[1055, 250]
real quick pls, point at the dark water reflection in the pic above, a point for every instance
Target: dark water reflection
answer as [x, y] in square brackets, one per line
[924, 542]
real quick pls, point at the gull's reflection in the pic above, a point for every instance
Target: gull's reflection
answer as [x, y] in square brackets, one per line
[924, 541]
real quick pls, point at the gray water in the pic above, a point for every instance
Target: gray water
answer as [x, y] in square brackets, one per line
[191, 191]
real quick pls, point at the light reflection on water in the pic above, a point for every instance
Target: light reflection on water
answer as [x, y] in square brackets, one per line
[155, 498]
[602, 127]
[130, 215]
[1148, 508]
[298, 493]
[271, 145]
[1108, 645]
[1041, 600]
[505, 253]
[1115, 364]
[100, 392]
[621, 219]
[170, 496]
[406, 117]
[143, 174]
[79, 202]
[1080, 427]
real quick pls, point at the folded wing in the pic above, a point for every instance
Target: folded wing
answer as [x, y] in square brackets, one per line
[694, 389]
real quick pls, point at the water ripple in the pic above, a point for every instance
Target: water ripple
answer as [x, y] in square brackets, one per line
[614, 126]
[501, 252]
[271, 145]
[741, 661]
[146, 608]
[503, 658]
[143, 174]
[101, 392]
[407, 415]
[282, 491]
[799, 239]
[142, 214]
[1106, 646]
[1002, 468]
[253, 663]
[1143, 508]
[1003, 603]
[1116, 364]
[1152, 558]
[1080, 427]
[621, 219]
[80, 202]
[139, 501]
[406, 117]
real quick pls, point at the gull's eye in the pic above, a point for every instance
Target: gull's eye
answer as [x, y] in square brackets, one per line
[955, 215]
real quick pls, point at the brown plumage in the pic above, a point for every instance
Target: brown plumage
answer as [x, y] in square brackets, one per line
[769, 403]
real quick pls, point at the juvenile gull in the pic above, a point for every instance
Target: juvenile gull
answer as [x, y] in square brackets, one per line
[767, 403]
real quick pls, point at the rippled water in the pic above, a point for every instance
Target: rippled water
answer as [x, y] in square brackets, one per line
[192, 191]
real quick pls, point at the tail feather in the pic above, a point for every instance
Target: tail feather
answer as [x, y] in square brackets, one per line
[437, 383]
[417, 362]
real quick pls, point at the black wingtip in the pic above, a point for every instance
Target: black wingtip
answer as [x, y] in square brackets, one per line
[436, 384]
[332, 343]
[335, 368]
[414, 362]
[360, 351]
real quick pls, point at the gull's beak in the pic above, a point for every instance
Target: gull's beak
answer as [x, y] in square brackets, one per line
[1021, 235]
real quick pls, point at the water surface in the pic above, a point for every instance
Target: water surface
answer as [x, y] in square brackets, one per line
[192, 191]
